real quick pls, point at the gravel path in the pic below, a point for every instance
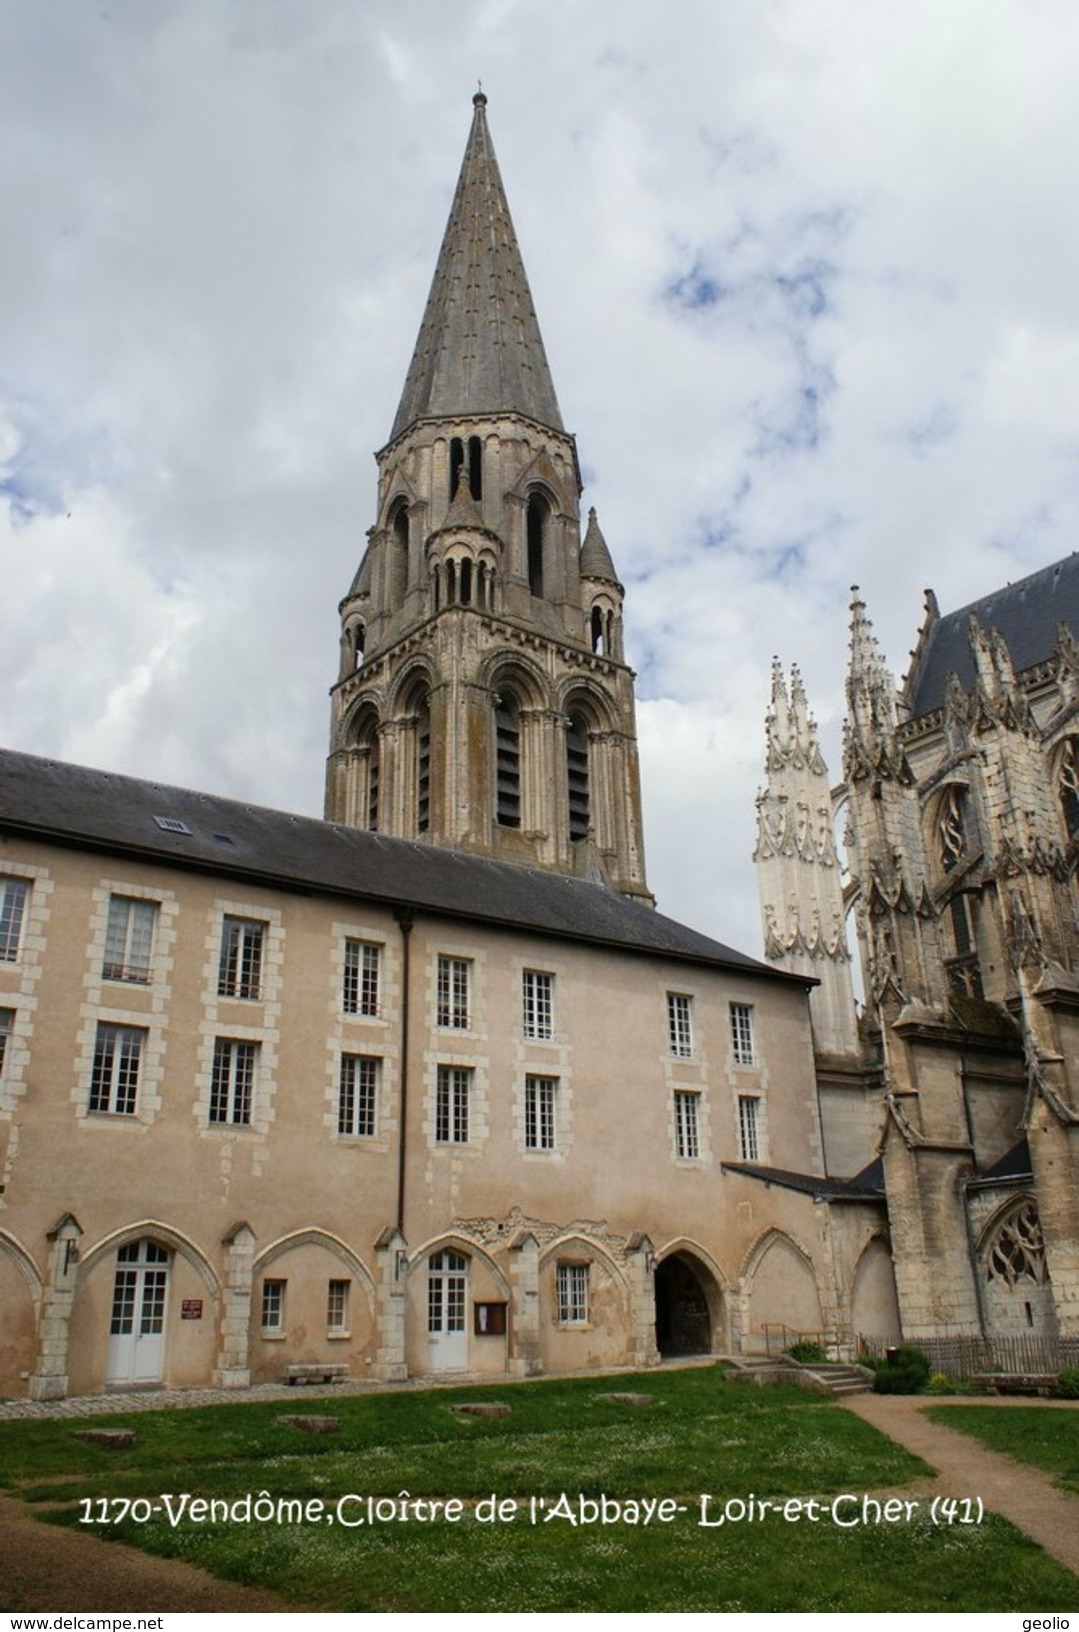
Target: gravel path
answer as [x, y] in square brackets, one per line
[43, 1568]
[1015, 1490]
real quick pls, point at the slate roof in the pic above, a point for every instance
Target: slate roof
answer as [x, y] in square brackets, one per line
[1014, 1164]
[1026, 613]
[868, 1185]
[98, 810]
[479, 349]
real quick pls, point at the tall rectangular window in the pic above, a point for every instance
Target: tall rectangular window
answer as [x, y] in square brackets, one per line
[232, 1082]
[742, 1034]
[7, 1026]
[541, 1095]
[14, 894]
[749, 1127]
[680, 1025]
[537, 1004]
[452, 1093]
[114, 1077]
[572, 1294]
[273, 1305]
[337, 1306]
[360, 992]
[129, 938]
[239, 972]
[453, 994]
[687, 1130]
[357, 1096]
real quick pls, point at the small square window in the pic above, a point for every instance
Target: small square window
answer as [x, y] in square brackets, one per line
[742, 1034]
[14, 895]
[239, 972]
[7, 1026]
[537, 1003]
[749, 1127]
[232, 1082]
[273, 1306]
[541, 1097]
[129, 938]
[452, 1094]
[453, 993]
[687, 1130]
[337, 1306]
[572, 1292]
[357, 1096]
[680, 1025]
[360, 989]
[114, 1076]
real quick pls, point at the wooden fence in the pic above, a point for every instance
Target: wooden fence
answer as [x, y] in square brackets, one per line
[1024, 1354]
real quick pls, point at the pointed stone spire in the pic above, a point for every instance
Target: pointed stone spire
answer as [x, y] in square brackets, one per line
[777, 720]
[798, 875]
[479, 349]
[869, 745]
[595, 556]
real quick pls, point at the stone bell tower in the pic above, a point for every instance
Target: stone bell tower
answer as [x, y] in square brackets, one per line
[483, 701]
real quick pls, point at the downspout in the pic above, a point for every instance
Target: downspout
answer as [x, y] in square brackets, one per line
[405, 919]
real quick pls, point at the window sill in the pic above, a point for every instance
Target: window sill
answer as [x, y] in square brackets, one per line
[272, 1336]
[338, 1336]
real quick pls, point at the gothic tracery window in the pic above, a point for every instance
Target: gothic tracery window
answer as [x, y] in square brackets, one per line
[1068, 786]
[951, 829]
[1017, 1252]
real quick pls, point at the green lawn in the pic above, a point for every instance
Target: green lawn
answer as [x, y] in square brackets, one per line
[561, 1440]
[1045, 1437]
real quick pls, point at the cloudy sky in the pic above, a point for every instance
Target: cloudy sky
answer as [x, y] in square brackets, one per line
[807, 276]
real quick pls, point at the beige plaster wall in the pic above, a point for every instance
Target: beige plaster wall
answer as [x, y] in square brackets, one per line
[614, 1172]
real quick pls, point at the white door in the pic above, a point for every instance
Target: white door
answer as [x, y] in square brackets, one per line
[447, 1301]
[137, 1333]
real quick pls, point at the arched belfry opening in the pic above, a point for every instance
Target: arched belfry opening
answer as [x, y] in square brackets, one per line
[688, 1307]
[578, 778]
[536, 526]
[507, 761]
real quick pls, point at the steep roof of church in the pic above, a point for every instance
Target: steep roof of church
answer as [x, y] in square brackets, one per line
[479, 349]
[1026, 613]
[98, 810]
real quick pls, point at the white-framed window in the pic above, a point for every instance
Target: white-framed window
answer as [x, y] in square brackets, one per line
[452, 1094]
[14, 894]
[362, 978]
[537, 1004]
[337, 1306]
[453, 993]
[273, 1306]
[232, 1081]
[239, 972]
[742, 1045]
[541, 1098]
[680, 1025]
[749, 1127]
[687, 1125]
[572, 1294]
[129, 939]
[7, 1026]
[114, 1076]
[357, 1096]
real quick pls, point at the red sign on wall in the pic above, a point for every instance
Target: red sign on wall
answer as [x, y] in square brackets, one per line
[191, 1309]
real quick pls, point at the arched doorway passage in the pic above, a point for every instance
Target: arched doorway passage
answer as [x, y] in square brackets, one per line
[684, 1312]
